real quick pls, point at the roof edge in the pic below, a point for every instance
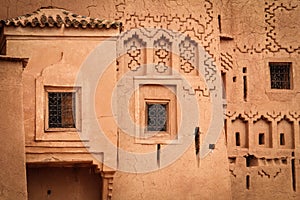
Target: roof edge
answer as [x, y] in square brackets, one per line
[15, 59]
[58, 17]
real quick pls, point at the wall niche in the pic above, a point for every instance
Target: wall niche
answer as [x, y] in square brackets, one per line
[262, 131]
[285, 134]
[240, 131]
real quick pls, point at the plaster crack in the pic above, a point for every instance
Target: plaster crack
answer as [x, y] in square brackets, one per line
[232, 172]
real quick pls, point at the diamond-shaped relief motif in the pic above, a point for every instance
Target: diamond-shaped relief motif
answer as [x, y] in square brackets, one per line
[188, 54]
[134, 65]
[162, 53]
[187, 67]
[134, 51]
[161, 67]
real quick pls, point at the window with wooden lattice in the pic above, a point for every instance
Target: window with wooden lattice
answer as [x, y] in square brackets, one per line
[280, 75]
[62, 109]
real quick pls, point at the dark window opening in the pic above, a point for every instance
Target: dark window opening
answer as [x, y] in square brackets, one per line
[282, 139]
[223, 75]
[293, 174]
[245, 87]
[261, 139]
[219, 23]
[156, 117]
[247, 182]
[280, 75]
[244, 70]
[251, 161]
[234, 79]
[237, 139]
[61, 107]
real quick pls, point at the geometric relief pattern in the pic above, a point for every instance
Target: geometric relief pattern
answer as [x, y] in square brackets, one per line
[157, 116]
[162, 55]
[135, 50]
[274, 12]
[226, 62]
[200, 28]
[261, 127]
[188, 55]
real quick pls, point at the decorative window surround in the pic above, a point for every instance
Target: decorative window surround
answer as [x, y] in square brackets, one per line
[160, 137]
[43, 132]
[76, 100]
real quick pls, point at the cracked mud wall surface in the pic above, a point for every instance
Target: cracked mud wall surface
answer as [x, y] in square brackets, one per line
[252, 35]
[262, 123]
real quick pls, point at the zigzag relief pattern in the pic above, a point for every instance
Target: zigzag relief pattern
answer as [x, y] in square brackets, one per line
[198, 90]
[210, 72]
[270, 116]
[272, 44]
[199, 28]
[226, 62]
[188, 55]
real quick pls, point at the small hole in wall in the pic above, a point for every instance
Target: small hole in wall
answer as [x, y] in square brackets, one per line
[244, 70]
[234, 79]
[49, 192]
[282, 140]
[261, 139]
[237, 139]
[232, 159]
[247, 182]
[284, 161]
[219, 23]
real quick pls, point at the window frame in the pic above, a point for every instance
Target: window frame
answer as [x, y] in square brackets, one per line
[168, 123]
[290, 71]
[170, 136]
[75, 90]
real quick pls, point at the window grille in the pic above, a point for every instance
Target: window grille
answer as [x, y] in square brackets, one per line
[62, 111]
[156, 117]
[280, 75]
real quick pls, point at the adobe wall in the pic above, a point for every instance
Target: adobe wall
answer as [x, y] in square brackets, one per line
[252, 35]
[210, 179]
[260, 33]
[63, 183]
[12, 162]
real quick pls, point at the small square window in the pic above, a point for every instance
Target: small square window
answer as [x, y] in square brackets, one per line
[280, 75]
[157, 116]
[62, 109]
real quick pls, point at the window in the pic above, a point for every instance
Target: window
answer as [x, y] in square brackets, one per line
[280, 75]
[157, 116]
[62, 109]
[156, 111]
[237, 139]
[282, 139]
[261, 139]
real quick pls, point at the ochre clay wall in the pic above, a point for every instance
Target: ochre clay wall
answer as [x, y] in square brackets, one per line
[261, 33]
[243, 37]
[12, 162]
[63, 183]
